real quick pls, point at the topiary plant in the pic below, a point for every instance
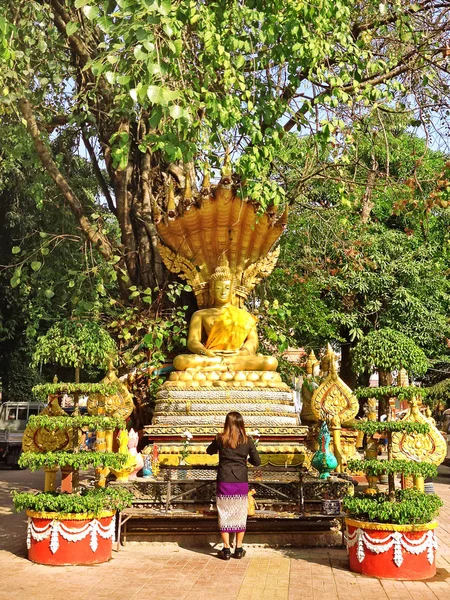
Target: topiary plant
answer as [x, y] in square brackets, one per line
[386, 350]
[439, 393]
[76, 343]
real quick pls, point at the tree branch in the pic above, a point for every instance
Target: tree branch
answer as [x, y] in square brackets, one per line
[99, 174]
[98, 239]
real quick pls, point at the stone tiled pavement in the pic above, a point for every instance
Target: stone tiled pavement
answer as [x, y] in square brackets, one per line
[146, 572]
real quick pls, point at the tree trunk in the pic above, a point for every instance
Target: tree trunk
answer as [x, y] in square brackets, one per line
[367, 203]
[346, 372]
[385, 379]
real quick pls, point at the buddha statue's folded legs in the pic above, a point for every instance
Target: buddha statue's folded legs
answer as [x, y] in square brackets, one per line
[235, 362]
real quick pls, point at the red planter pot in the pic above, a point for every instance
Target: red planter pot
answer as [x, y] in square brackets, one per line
[70, 539]
[392, 551]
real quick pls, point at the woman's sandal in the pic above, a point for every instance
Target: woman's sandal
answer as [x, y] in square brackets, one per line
[239, 553]
[224, 554]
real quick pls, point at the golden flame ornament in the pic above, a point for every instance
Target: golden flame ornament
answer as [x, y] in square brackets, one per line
[333, 398]
[422, 447]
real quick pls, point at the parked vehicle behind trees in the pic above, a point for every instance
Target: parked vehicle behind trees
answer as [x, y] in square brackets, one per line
[13, 420]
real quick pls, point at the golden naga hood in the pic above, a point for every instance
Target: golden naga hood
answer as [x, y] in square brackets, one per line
[196, 234]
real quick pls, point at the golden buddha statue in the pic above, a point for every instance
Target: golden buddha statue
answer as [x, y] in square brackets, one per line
[222, 246]
[223, 336]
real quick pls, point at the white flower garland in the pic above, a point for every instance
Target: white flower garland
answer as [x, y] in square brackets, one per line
[54, 529]
[427, 543]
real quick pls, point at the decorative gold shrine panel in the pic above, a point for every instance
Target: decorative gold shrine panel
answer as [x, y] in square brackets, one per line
[117, 405]
[39, 439]
[334, 398]
[422, 447]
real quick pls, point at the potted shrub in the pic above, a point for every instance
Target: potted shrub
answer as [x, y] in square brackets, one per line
[72, 528]
[77, 528]
[392, 534]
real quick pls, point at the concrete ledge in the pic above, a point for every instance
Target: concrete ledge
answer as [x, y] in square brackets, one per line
[299, 539]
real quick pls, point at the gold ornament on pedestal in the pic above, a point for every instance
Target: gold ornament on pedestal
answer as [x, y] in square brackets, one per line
[427, 447]
[40, 439]
[333, 398]
[119, 404]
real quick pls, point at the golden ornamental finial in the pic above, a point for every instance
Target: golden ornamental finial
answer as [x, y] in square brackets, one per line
[328, 363]
[222, 271]
[311, 363]
[284, 218]
[171, 206]
[206, 185]
[55, 379]
[156, 212]
[226, 169]
[188, 186]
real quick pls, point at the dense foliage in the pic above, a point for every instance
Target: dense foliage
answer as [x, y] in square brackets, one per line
[89, 501]
[43, 390]
[52, 423]
[76, 460]
[371, 427]
[439, 393]
[381, 467]
[75, 344]
[156, 87]
[389, 391]
[386, 350]
[410, 507]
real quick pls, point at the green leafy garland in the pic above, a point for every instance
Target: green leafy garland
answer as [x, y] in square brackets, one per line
[402, 393]
[76, 460]
[68, 422]
[90, 501]
[410, 506]
[43, 390]
[381, 467]
[371, 427]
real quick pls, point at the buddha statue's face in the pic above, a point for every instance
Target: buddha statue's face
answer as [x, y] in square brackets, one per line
[222, 292]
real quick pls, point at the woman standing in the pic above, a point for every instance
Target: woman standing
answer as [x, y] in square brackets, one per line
[234, 448]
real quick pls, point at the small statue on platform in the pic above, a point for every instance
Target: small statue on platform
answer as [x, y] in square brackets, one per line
[324, 460]
[223, 335]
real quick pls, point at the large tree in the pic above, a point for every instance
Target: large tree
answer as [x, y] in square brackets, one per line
[156, 90]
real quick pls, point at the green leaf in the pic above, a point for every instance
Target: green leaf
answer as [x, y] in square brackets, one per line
[36, 265]
[91, 12]
[49, 293]
[176, 111]
[81, 3]
[133, 94]
[110, 77]
[139, 54]
[72, 27]
[165, 7]
[15, 250]
[240, 61]
[155, 94]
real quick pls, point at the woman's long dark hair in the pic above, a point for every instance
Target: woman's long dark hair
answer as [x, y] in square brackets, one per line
[233, 430]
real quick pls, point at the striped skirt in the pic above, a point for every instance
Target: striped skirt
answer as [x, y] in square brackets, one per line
[232, 506]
